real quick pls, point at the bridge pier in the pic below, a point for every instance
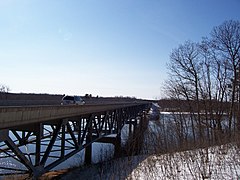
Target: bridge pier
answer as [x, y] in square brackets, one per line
[117, 146]
[88, 153]
[88, 149]
[132, 126]
[136, 134]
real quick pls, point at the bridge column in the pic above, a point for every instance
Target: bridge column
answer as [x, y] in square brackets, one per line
[130, 127]
[39, 134]
[88, 152]
[117, 146]
[135, 126]
[88, 149]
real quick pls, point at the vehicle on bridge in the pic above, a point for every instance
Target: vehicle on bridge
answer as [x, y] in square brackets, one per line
[66, 100]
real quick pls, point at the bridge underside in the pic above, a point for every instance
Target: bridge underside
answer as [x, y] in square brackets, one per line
[42, 146]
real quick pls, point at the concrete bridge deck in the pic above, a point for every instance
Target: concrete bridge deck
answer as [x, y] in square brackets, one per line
[22, 115]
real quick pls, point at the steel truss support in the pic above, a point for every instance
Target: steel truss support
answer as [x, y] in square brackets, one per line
[53, 142]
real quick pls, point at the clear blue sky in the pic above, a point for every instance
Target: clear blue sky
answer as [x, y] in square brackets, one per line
[101, 47]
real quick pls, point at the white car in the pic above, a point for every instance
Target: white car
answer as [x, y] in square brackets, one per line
[72, 100]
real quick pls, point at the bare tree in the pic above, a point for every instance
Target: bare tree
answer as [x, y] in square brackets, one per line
[185, 76]
[201, 74]
[3, 90]
[226, 42]
[213, 89]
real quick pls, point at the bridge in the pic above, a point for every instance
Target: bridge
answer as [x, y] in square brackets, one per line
[42, 137]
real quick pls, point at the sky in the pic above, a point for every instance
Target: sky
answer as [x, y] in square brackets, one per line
[100, 47]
